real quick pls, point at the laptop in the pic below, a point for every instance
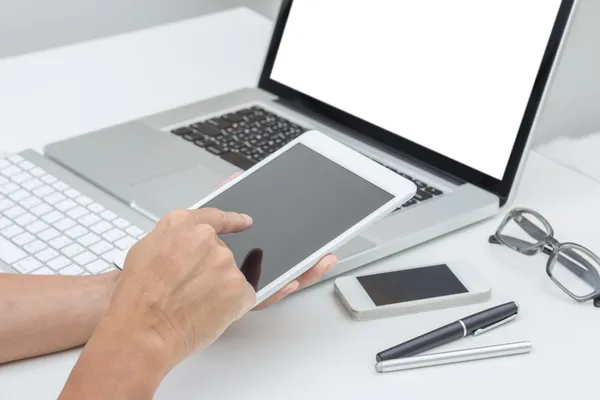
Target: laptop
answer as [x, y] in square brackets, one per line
[447, 95]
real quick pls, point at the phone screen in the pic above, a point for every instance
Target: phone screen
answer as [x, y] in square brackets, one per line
[300, 201]
[411, 284]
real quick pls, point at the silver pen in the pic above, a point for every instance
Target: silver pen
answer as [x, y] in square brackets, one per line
[451, 357]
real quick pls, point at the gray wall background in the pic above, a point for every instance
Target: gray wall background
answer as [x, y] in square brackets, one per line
[33, 25]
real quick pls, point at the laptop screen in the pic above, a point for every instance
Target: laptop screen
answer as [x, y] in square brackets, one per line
[454, 77]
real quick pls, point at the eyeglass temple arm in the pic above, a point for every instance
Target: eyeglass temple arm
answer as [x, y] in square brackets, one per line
[589, 274]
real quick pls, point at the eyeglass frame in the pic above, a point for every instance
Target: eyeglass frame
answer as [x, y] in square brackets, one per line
[551, 247]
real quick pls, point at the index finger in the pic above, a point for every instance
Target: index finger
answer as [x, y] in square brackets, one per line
[222, 221]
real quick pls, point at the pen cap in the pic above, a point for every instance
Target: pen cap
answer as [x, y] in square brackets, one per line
[490, 316]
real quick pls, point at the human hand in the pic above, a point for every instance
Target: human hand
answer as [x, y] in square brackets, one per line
[180, 284]
[309, 278]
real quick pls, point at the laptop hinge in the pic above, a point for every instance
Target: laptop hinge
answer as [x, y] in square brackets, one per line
[304, 109]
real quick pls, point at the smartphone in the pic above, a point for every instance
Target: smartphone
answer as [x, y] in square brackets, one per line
[411, 290]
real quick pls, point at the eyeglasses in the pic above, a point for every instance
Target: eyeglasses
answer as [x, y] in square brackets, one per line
[573, 268]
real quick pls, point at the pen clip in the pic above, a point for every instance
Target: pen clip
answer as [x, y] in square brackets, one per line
[497, 324]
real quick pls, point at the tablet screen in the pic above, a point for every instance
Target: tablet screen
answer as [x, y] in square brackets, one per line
[300, 201]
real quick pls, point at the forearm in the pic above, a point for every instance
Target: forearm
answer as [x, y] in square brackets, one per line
[46, 314]
[118, 362]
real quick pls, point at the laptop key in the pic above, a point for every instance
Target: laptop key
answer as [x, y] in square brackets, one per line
[238, 160]
[433, 191]
[409, 203]
[208, 130]
[215, 149]
[200, 143]
[181, 131]
[422, 196]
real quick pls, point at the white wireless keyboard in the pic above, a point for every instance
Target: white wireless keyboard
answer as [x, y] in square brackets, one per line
[47, 227]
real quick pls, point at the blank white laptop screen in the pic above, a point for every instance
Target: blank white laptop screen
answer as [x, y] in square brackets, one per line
[453, 76]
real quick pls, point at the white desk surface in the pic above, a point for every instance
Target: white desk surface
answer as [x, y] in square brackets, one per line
[307, 346]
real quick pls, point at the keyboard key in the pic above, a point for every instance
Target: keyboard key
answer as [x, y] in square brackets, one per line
[84, 201]
[5, 204]
[19, 195]
[10, 253]
[72, 250]
[84, 258]
[5, 222]
[77, 212]
[35, 246]
[10, 232]
[58, 263]
[65, 205]
[238, 160]
[26, 165]
[101, 227]
[89, 219]
[101, 247]
[10, 171]
[43, 271]
[216, 150]
[97, 266]
[108, 215]
[182, 131]
[420, 184]
[60, 242]
[37, 172]
[88, 239]
[41, 209]
[60, 186]
[111, 255]
[31, 184]
[54, 198]
[3, 180]
[15, 158]
[64, 224]
[76, 232]
[433, 191]
[121, 223]
[27, 265]
[53, 216]
[8, 188]
[125, 242]
[71, 270]
[23, 239]
[95, 207]
[21, 177]
[206, 129]
[72, 193]
[25, 219]
[49, 179]
[421, 195]
[409, 203]
[46, 255]
[134, 231]
[43, 191]
[48, 234]
[14, 212]
[4, 163]
[30, 202]
[113, 235]
[36, 227]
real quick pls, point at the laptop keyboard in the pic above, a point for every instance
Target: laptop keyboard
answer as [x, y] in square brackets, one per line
[49, 228]
[247, 136]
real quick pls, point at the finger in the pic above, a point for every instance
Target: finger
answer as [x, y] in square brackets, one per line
[222, 221]
[315, 274]
[280, 295]
[232, 177]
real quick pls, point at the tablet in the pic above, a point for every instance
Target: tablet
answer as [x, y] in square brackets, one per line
[306, 200]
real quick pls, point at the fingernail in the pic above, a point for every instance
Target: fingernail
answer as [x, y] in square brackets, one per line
[291, 288]
[329, 266]
[247, 218]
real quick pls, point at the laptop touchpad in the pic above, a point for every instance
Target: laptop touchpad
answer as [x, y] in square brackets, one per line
[178, 189]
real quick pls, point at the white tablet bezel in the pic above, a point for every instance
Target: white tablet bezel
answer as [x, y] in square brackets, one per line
[400, 188]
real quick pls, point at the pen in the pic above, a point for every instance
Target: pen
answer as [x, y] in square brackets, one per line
[429, 360]
[475, 324]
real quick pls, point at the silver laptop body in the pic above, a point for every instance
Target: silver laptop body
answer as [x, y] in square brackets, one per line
[146, 166]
